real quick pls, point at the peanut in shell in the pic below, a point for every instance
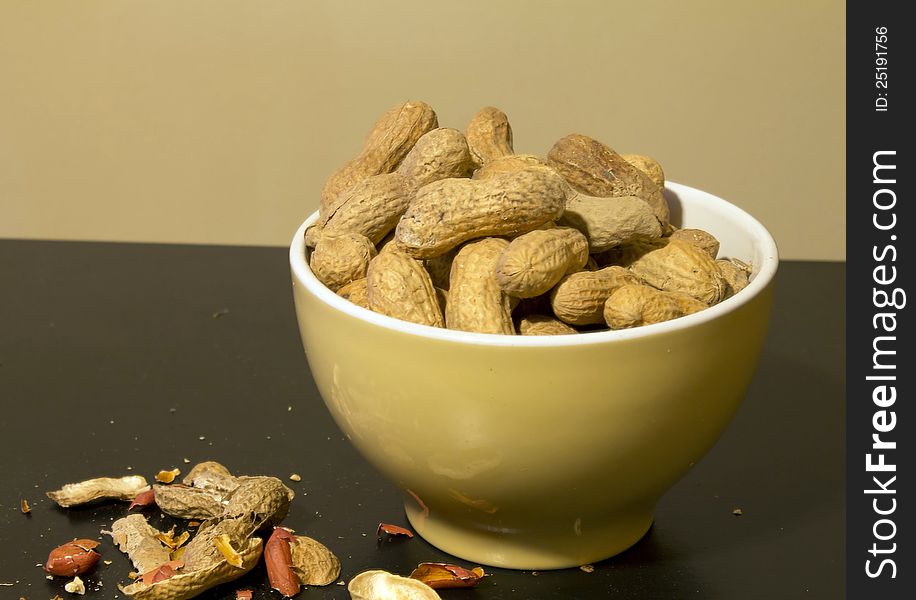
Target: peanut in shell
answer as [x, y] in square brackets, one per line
[438, 154]
[543, 325]
[475, 300]
[648, 165]
[507, 164]
[489, 135]
[339, 259]
[448, 212]
[390, 139]
[371, 207]
[579, 298]
[701, 239]
[637, 305]
[535, 261]
[680, 266]
[611, 222]
[398, 286]
[594, 169]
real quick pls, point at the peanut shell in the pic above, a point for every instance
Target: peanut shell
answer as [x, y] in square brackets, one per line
[439, 154]
[356, 292]
[702, 239]
[451, 211]
[647, 165]
[489, 135]
[371, 207]
[682, 267]
[390, 139]
[579, 298]
[341, 258]
[595, 169]
[398, 286]
[735, 275]
[611, 222]
[636, 305]
[475, 301]
[543, 325]
[535, 261]
[507, 164]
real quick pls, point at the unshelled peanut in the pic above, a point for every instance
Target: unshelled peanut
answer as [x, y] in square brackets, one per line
[507, 164]
[702, 239]
[439, 154]
[635, 305]
[398, 286]
[489, 135]
[611, 222]
[371, 207]
[735, 275]
[451, 211]
[388, 142]
[543, 325]
[535, 261]
[579, 298]
[339, 259]
[680, 266]
[355, 292]
[475, 300]
[595, 169]
[647, 165]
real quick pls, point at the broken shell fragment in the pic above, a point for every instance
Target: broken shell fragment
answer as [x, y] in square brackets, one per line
[224, 545]
[443, 575]
[162, 572]
[184, 502]
[142, 499]
[392, 530]
[382, 585]
[189, 583]
[101, 488]
[76, 586]
[167, 476]
[140, 542]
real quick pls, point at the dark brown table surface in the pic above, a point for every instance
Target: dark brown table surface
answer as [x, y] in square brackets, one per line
[118, 356]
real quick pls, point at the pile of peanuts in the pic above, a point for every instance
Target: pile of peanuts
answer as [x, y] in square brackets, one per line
[449, 229]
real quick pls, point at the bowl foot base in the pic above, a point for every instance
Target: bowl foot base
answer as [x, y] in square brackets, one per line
[581, 544]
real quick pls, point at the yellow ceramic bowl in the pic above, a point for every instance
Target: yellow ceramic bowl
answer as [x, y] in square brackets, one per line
[540, 452]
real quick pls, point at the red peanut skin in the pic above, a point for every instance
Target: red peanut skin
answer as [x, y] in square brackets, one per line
[73, 558]
[279, 559]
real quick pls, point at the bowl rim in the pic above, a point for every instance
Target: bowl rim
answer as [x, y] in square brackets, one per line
[761, 238]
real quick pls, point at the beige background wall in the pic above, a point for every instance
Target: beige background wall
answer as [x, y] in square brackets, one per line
[217, 121]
